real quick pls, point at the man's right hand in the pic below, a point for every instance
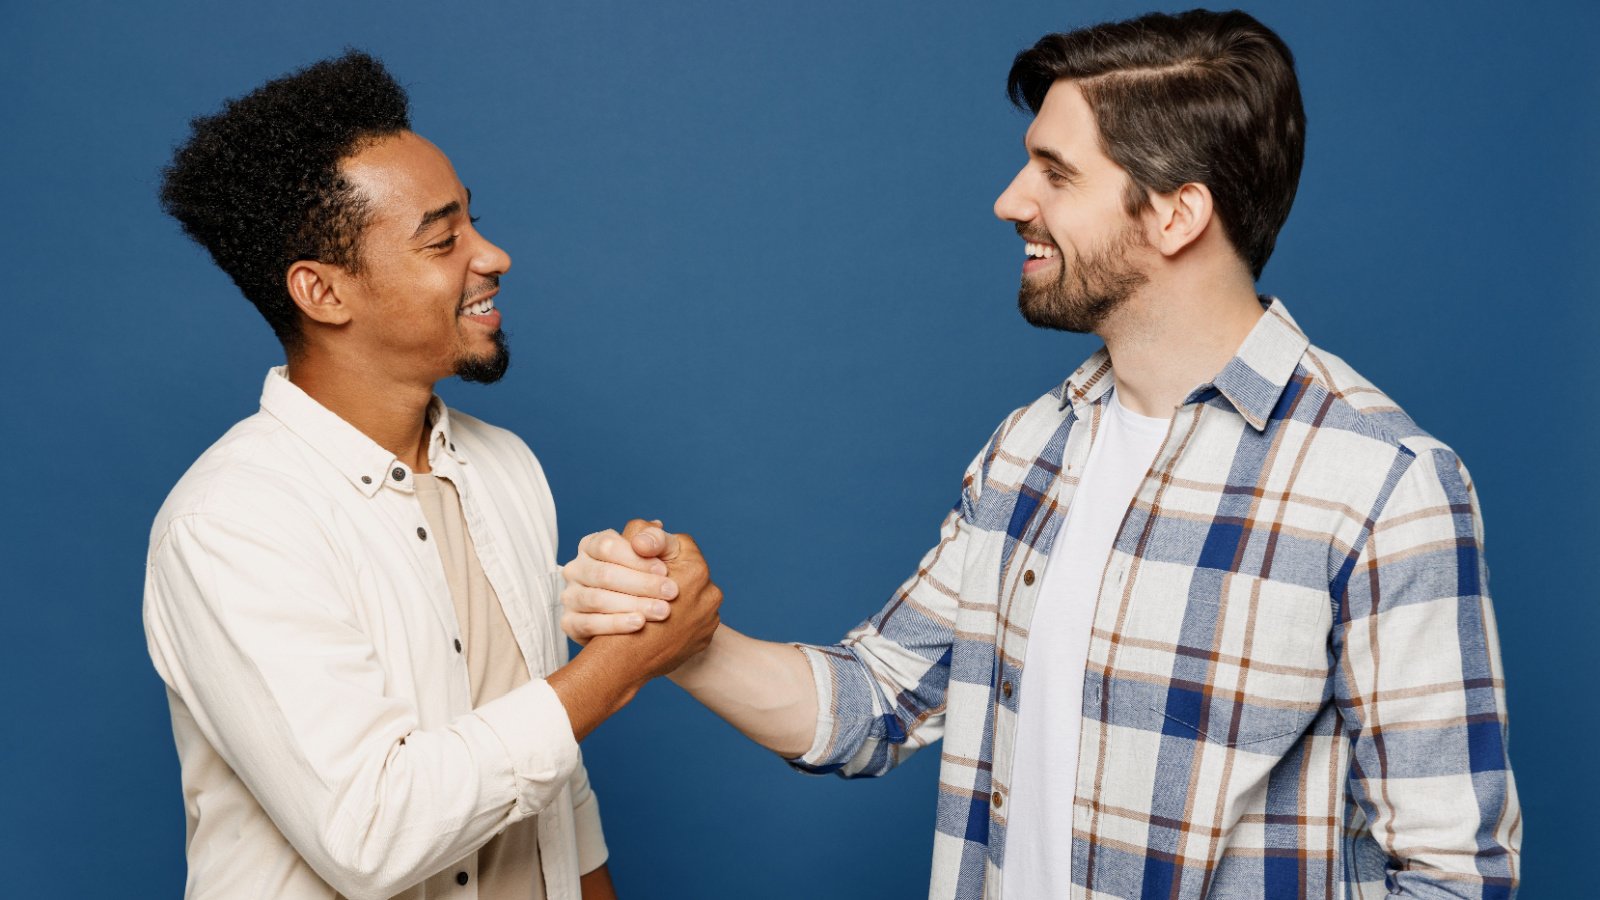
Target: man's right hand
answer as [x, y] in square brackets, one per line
[615, 665]
[619, 581]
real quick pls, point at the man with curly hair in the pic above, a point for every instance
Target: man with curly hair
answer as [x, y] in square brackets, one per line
[352, 595]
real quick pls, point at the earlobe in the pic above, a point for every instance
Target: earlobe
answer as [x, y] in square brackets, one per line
[314, 287]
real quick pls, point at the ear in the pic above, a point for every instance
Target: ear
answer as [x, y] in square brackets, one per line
[315, 288]
[1181, 217]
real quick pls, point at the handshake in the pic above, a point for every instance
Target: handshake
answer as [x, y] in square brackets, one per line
[644, 594]
[644, 601]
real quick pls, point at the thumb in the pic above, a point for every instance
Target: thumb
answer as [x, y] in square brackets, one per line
[657, 542]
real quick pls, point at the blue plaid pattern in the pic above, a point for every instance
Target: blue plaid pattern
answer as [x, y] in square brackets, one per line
[1294, 686]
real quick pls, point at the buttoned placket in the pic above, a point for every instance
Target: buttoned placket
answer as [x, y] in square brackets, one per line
[465, 870]
[1086, 410]
[400, 501]
[1114, 583]
[540, 659]
[1083, 422]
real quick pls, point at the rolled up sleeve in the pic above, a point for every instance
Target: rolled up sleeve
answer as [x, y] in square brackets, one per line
[881, 692]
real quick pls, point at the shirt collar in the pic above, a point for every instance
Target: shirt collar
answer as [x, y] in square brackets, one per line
[1252, 381]
[368, 466]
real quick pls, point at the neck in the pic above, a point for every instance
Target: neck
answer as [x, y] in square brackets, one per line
[391, 412]
[1171, 338]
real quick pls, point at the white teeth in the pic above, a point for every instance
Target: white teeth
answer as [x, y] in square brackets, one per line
[482, 307]
[1040, 251]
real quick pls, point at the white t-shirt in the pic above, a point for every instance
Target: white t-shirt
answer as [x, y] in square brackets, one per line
[1038, 856]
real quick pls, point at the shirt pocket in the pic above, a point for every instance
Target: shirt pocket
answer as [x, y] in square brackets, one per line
[1246, 663]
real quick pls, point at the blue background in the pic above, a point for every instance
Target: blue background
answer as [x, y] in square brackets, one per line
[759, 292]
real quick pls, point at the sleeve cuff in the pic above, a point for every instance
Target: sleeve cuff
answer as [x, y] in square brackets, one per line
[816, 760]
[533, 726]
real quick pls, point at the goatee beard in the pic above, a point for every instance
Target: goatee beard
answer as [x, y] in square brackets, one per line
[1085, 293]
[486, 369]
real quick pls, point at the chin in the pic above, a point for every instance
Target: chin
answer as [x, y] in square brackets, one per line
[486, 367]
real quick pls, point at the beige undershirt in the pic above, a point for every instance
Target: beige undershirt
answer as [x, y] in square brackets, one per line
[508, 865]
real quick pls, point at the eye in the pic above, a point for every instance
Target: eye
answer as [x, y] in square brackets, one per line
[447, 243]
[1055, 177]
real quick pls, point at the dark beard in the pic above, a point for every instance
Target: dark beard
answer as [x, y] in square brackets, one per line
[486, 369]
[1084, 294]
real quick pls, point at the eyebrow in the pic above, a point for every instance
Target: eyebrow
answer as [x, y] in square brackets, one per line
[1055, 159]
[443, 212]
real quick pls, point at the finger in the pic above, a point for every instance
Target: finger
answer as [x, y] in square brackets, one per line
[635, 527]
[678, 546]
[608, 546]
[581, 627]
[657, 542]
[588, 572]
[589, 601]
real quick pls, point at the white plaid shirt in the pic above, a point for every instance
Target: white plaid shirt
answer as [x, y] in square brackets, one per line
[1293, 688]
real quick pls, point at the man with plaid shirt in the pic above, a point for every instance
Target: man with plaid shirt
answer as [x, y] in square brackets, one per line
[1209, 619]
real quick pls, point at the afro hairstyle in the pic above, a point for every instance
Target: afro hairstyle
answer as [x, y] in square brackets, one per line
[259, 186]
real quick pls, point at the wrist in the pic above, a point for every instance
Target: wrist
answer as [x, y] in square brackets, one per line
[690, 669]
[595, 685]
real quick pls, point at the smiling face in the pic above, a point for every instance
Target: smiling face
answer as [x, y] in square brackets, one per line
[422, 306]
[1085, 252]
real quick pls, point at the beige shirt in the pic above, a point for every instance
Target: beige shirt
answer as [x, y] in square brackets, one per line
[321, 694]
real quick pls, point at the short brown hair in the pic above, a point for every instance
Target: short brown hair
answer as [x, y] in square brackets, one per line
[1201, 96]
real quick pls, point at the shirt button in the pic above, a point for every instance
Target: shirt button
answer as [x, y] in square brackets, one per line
[398, 474]
[458, 645]
[996, 798]
[1027, 577]
[422, 532]
[366, 479]
[1005, 688]
[461, 878]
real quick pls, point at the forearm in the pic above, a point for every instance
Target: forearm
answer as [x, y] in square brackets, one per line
[593, 687]
[762, 688]
[597, 885]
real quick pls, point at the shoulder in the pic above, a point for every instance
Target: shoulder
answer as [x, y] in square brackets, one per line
[1025, 429]
[257, 467]
[1421, 466]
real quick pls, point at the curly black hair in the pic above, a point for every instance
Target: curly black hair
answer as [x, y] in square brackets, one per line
[258, 184]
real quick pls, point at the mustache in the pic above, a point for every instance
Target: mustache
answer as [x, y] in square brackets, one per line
[489, 283]
[1033, 236]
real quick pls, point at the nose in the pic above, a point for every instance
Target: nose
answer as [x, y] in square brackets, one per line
[1014, 203]
[489, 258]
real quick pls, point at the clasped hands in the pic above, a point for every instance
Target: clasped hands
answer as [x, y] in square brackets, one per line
[644, 586]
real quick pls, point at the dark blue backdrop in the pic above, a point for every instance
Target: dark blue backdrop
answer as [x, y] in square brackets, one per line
[758, 292]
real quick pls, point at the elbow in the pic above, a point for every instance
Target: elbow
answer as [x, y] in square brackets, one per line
[373, 878]
[371, 863]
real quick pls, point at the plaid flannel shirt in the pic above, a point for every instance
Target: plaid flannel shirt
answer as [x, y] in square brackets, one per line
[1293, 687]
